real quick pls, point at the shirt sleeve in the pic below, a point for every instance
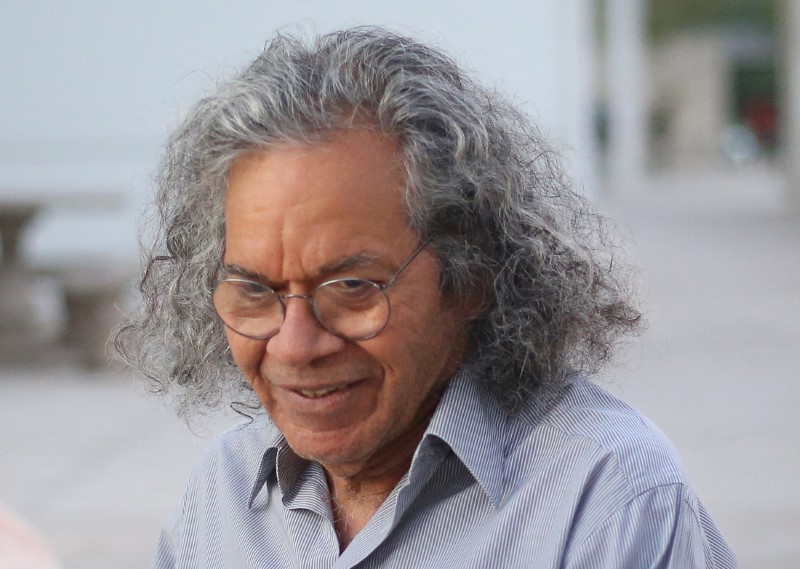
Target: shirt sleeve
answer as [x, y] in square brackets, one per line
[165, 550]
[168, 548]
[663, 528]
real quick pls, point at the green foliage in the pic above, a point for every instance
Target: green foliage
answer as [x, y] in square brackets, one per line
[668, 16]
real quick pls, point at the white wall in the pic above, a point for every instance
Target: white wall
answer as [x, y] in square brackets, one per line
[90, 88]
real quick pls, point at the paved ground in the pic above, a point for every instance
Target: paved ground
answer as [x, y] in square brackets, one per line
[718, 369]
[96, 464]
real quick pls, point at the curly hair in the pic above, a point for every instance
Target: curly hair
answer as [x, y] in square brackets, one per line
[482, 187]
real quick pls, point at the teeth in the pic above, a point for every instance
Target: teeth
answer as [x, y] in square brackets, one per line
[319, 393]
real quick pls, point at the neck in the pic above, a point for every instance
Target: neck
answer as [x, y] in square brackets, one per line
[354, 503]
[356, 497]
[357, 490]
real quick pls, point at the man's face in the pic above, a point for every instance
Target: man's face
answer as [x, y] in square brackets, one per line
[298, 216]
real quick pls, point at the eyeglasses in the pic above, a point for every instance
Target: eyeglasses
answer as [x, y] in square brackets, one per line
[351, 308]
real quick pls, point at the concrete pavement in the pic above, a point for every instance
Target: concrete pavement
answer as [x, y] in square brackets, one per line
[719, 367]
[96, 464]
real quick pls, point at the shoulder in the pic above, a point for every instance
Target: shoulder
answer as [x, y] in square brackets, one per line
[585, 455]
[665, 526]
[223, 476]
[239, 448]
[226, 470]
[219, 488]
[611, 481]
[601, 434]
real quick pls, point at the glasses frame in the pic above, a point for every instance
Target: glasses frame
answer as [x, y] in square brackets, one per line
[283, 297]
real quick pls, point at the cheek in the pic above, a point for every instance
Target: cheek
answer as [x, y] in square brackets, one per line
[422, 350]
[246, 353]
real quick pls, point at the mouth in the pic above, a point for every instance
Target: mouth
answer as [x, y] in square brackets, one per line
[317, 393]
[322, 406]
[320, 391]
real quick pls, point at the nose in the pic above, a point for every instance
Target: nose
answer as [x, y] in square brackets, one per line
[301, 339]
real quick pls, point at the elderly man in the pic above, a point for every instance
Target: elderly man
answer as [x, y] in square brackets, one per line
[387, 258]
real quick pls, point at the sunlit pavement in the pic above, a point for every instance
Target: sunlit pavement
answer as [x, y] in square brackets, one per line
[96, 464]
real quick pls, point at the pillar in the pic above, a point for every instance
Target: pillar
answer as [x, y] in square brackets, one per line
[625, 76]
[790, 60]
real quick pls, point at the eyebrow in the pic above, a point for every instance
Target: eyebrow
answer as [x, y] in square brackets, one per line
[361, 259]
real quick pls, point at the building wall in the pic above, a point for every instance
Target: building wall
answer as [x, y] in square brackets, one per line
[91, 87]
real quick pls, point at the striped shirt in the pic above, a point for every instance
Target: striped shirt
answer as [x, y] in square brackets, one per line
[576, 479]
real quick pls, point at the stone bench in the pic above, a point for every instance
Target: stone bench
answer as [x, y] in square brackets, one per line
[55, 314]
[94, 303]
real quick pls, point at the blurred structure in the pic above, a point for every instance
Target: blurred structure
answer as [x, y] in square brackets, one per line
[625, 55]
[714, 89]
[62, 309]
[713, 98]
[790, 60]
[699, 86]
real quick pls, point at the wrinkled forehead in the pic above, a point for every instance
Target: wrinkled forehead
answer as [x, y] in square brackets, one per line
[358, 164]
[294, 207]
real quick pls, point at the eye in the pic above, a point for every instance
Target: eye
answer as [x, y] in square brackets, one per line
[251, 292]
[250, 287]
[351, 286]
[354, 284]
[348, 291]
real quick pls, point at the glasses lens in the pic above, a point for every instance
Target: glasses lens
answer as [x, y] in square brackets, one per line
[353, 308]
[249, 308]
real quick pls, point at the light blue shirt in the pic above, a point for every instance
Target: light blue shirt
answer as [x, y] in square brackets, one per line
[576, 479]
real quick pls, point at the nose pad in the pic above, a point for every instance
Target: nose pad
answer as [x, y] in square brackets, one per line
[305, 308]
[306, 297]
[301, 338]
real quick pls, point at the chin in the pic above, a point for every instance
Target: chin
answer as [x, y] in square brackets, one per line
[333, 451]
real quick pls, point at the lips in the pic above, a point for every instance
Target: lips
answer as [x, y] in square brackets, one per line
[311, 390]
[316, 401]
[317, 393]
[323, 406]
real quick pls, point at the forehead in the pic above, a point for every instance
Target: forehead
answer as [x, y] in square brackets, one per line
[293, 208]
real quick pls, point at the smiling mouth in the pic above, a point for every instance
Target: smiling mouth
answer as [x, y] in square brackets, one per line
[316, 394]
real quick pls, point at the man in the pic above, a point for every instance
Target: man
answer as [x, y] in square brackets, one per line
[388, 256]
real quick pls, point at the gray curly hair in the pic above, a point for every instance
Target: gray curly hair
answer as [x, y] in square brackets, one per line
[482, 187]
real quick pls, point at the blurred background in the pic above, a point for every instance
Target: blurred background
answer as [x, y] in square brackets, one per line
[680, 119]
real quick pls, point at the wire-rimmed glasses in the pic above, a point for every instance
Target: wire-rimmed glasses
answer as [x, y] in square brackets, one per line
[348, 307]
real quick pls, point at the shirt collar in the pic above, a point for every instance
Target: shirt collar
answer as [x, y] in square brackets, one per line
[468, 420]
[269, 460]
